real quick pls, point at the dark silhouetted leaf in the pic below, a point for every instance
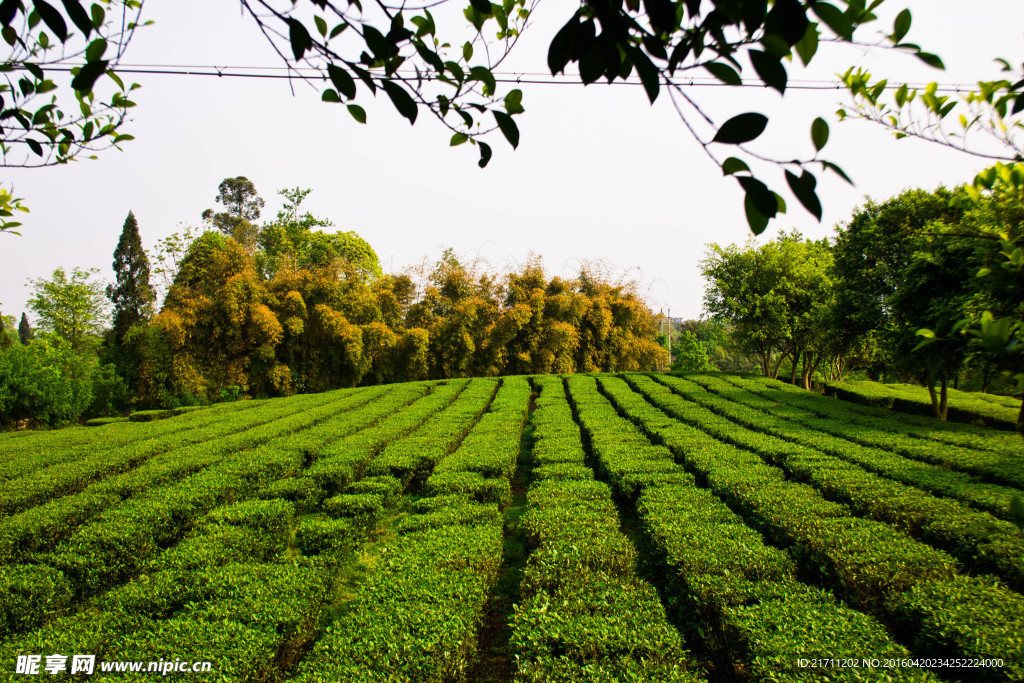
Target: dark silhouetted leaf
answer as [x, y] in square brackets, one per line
[299, 37]
[341, 80]
[838, 171]
[87, 76]
[662, 14]
[770, 70]
[78, 16]
[803, 188]
[742, 128]
[724, 73]
[755, 219]
[819, 133]
[485, 154]
[52, 18]
[403, 102]
[788, 20]
[931, 60]
[508, 128]
[330, 95]
[808, 45]
[834, 19]
[482, 6]
[8, 8]
[648, 73]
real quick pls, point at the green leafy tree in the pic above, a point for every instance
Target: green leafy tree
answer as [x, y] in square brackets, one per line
[242, 206]
[689, 355]
[74, 308]
[25, 333]
[45, 382]
[6, 332]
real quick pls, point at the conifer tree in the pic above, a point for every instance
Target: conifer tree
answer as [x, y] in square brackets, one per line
[25, 332]
[131, 293]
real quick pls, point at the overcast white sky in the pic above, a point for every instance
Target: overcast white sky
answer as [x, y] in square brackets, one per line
[599, 173]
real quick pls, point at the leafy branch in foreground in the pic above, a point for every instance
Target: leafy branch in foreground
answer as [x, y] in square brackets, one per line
[399, 50]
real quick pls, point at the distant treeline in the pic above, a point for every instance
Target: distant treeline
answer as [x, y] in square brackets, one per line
[286, 307]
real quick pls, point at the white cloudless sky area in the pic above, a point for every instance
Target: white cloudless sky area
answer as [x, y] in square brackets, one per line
[600, 174]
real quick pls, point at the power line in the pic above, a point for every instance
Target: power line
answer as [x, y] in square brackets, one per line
[526, 78]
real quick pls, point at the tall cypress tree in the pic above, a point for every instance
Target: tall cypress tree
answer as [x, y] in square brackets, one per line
[25, 330]
[131, 293]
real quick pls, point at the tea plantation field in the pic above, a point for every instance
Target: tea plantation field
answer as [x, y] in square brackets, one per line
[610, 528]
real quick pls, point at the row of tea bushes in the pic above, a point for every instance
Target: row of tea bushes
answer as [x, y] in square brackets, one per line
[873, 566]
[996, 468]
[978, 539]
[584, 614]
[741, 594]
[45, 526]
[907, 398]
[416, 614]
[954, 433]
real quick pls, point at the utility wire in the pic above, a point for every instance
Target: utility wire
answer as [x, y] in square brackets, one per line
[530, 78]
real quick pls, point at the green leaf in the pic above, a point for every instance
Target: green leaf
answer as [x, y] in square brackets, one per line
[508, 128]
[807, 46]
[458, 139]
[87, 75]
[834, 19]
[52, 18]
[724, 73]
[98, 15]
[648, 73]
[742, 128]
[755, 219]
[770, 69]
[485, 154]
[828, 165]
[36, 148]
[484, 75]
[95, 50]
[732, 165]
[931, 60]
[357, 112]
[819, 133]
[403, 102]
[467, 51]
[481, 6]
[901, 26]
[321, 25]
[803, 188]
[514, 102]
[330, 95]
[299, 38]
[342, 81]
[8, 8]
[764, 200]
[78, 16]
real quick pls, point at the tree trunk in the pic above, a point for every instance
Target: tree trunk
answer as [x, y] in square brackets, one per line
[943, 400]
[1020, 419]
[775, 370]
[795, 356]
[956, 381]
[766, 359]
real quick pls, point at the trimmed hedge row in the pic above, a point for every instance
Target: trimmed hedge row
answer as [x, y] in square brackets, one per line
[416, 615]
[56, 447]
[584, 613]
[420, 452]
[871, 564]
[247, 429]
[43, 527]
[338, 464]
[245, 618]
[908, 398]
[740, 592]
[482, 465]
[993, 467]
[978, 539]
[957, 434]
